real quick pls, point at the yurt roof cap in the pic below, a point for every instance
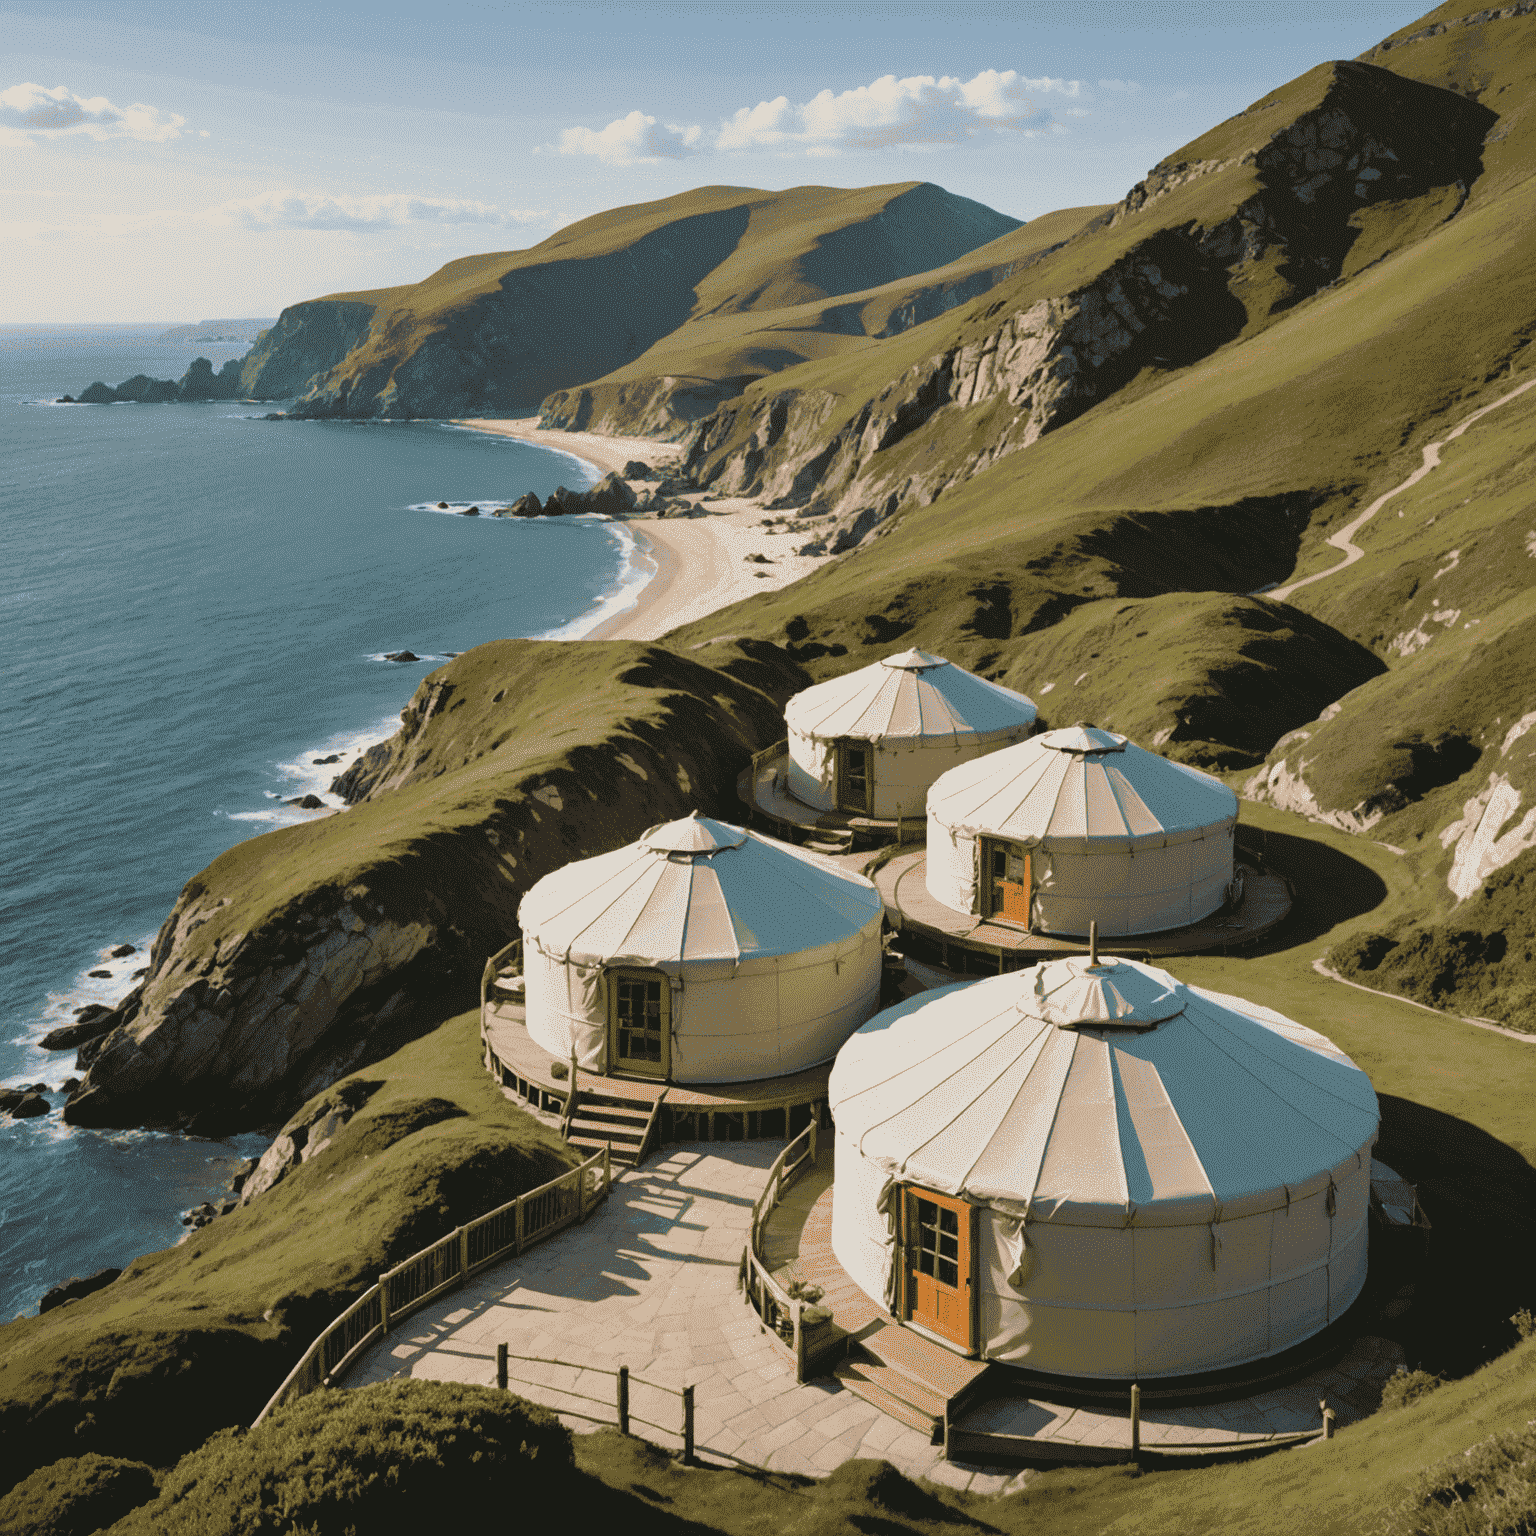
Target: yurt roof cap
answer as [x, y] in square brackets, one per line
[1083, 738]
[913, 661]
[696, 834]
[1109, 994]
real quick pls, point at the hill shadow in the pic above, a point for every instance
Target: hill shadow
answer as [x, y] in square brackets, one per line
[1328, 886]
[1480, 1196]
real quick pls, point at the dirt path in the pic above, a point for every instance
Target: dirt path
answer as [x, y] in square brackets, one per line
[1344, 538]
[1322, 968]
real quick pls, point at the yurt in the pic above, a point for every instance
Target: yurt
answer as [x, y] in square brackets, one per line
[1081, 825]
[701, 953]
[1094, 1170]
[873, 741]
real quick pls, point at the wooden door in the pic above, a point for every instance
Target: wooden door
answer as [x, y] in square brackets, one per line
[1009, 875]
[938, 1282]
[855, 775]
[640, 1022]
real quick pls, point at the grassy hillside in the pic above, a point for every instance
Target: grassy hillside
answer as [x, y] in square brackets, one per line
[499, 332]
[298, 954]
[722, 348]
[200, 1335]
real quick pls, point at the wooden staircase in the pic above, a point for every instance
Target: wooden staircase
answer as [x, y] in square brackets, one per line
[603, 1119]
[910, 1378]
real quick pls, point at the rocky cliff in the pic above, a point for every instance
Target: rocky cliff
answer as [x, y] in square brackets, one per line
[1215, 243]
[302, 953]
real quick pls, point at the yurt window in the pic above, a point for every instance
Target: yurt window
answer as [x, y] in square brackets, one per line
[853, 773]
[1008, 871]
[938, 1281]
[640, 1004]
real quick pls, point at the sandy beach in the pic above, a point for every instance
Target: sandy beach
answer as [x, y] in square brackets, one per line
[702, 563]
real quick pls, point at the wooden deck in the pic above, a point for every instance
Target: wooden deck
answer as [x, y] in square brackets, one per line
[761, 788]
[967, 942]
[775, 1106]
[1009, 1415]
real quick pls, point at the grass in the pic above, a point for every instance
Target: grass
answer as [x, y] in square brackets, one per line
[200, 1335]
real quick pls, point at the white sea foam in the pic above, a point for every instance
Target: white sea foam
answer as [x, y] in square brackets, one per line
[638, 571]
[306, 775]
[109, 990]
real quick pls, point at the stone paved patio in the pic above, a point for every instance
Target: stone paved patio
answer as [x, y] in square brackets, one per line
[650, 1282]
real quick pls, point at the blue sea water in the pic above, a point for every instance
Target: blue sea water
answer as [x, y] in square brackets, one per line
[194, 606]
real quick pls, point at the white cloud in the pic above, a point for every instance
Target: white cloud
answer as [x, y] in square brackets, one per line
[636, 137]
[1126, 86]
[309, 210]
[917, 110]
[29, 112]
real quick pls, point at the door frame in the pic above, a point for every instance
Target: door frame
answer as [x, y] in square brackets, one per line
[842, 797]
[969, 1271]
[988, 844]
[628, 1064]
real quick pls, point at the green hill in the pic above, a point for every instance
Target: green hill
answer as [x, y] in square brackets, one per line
[500, 332]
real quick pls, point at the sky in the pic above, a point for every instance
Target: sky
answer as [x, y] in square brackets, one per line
[174, 163]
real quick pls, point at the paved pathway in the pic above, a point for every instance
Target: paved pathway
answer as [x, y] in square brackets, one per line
[650, 1282]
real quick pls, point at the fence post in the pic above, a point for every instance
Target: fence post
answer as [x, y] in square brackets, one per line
[607, 1166]
[463, 1252]
[623, 1399]
[501, 1366]
[815, 1127]
[688, 1425]
[796, 1308]
[1328, 1419]
[383, 1304]
[1135, 1420]
[517, 1226]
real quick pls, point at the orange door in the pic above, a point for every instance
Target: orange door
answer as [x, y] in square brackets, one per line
[1010, 877]
[939, 1265]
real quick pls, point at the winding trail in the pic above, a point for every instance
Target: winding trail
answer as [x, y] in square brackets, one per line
[1321, 966]
[1344, 538]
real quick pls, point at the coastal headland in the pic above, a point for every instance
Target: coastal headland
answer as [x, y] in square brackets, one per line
[1072, 458]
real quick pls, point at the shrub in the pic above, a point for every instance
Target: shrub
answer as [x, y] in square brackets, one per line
[1404, 1387]
[396, 1456]
[1525, 1323]
[76, 1496]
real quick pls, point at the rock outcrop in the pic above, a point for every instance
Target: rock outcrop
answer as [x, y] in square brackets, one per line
[199, 382]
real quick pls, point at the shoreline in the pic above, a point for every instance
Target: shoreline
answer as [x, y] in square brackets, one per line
[703, 563]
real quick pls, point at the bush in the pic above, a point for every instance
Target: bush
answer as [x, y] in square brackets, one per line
[1404, 1387]
[1525, 1323]
[401, 1455]
[76, 1496]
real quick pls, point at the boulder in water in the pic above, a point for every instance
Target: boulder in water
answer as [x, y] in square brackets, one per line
[401, 656]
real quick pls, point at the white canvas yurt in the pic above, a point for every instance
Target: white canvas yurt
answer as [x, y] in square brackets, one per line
[1098, 1171]
[873, 741]
[701, 953]
[1081, 825]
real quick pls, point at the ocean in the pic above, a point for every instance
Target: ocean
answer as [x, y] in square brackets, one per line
[195, 605]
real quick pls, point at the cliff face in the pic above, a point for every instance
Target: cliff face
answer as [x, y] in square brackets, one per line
[1213, 244]
[300, 954]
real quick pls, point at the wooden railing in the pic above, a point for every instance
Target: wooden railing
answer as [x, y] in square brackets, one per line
[623, 1416]
[809, 1343]
[494, 964]
[652, 1137]
[448, 1263]
[759, 758]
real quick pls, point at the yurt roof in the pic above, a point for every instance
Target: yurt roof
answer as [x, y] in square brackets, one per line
[1177, 1105]
[696, 890]
[911, 694]
[1080, 785]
